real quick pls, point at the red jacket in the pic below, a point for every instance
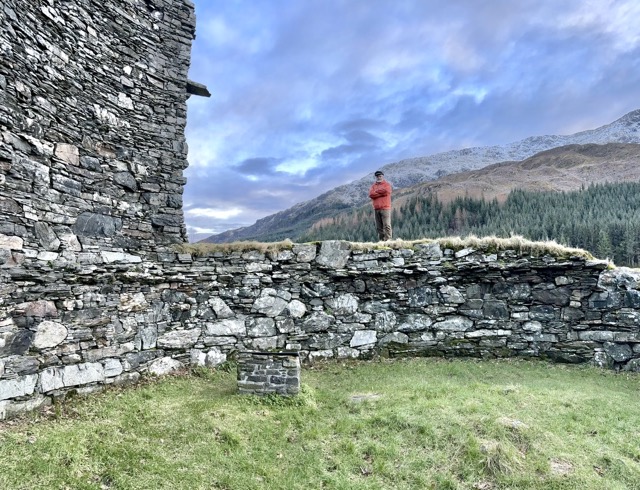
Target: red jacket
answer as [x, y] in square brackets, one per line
[380, 194]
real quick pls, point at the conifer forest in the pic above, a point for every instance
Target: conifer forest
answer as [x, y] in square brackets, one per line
[602, 218]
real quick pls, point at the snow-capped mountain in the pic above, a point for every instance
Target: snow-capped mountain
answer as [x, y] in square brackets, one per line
[291, 222]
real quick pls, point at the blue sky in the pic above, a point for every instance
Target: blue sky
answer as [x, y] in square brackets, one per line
[311, 94]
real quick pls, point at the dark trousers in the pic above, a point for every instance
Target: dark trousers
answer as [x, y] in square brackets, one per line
[383, 223]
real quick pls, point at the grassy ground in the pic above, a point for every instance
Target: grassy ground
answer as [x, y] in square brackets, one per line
[409, 424]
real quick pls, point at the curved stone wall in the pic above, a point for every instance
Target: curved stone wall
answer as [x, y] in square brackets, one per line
[107, 321]
[92, 149]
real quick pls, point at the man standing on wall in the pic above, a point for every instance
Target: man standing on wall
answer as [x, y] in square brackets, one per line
[380, 194]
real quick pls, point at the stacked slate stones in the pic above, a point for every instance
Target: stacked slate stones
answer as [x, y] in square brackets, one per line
[266, 373]
[92, 117]
[92, 150]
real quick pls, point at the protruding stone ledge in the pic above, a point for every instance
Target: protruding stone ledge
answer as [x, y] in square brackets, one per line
[195, 88]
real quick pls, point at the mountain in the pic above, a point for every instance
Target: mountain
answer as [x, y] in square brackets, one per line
[597, 208]
[566, 168]
[293, 222]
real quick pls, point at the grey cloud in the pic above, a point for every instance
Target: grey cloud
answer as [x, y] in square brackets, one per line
[359, 141]
[359, 136]
[359, 124]
[258, 166]
[411, 118]
[223, 189]
[339, 151]
[348, 150]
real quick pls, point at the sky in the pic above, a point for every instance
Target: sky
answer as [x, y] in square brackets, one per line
[311, 94]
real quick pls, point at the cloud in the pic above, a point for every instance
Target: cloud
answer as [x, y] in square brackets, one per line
[358, 142]
[220, 214]
[258, 166]
[610, 19]
[310, 95]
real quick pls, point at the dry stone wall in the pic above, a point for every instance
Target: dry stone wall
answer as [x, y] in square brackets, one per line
[267, 373]
[92, 149]
[92, 116]
[81, 328]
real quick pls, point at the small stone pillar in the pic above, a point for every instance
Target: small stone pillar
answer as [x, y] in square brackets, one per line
[263, 373]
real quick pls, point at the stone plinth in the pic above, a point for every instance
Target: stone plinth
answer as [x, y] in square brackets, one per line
[263, 373]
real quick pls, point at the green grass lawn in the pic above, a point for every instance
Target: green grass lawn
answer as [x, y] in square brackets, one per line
[419, 424]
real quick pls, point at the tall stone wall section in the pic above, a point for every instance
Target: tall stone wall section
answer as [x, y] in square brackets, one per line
[108, 322]
[92, 149]
[92, 116]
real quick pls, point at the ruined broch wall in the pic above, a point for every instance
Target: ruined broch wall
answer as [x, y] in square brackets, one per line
[92, 149]
[92, 117]
[324, 301]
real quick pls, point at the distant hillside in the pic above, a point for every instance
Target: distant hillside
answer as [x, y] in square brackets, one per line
[566, 168]
[295, 221]
[602, 217]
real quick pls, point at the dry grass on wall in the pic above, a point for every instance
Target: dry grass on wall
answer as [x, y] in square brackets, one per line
[488, 244]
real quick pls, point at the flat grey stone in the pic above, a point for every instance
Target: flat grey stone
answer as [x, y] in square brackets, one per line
[12, 388]
[96, 225]
[49, 334]
[164, 365]
[363, 337]
[74, 375]
[227, 327]
[178, 339]
[334, 254]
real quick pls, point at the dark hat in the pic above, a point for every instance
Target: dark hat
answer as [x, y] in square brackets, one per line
[379, 172]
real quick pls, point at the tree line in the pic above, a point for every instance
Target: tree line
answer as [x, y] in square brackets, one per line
[601, 218]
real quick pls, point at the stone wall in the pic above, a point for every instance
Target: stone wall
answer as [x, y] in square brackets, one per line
[92, 149]
[95, 324]
[266, 373]
[92, 116]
